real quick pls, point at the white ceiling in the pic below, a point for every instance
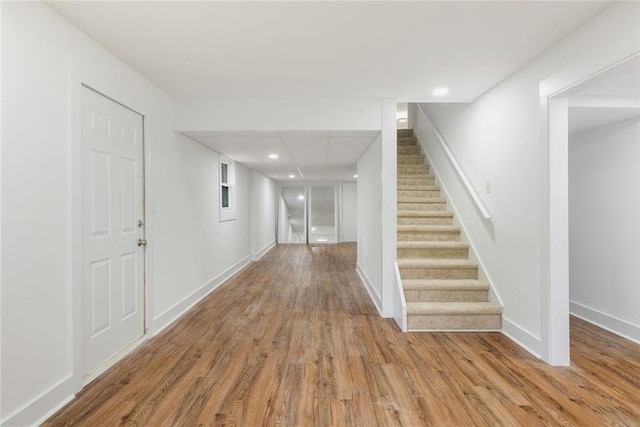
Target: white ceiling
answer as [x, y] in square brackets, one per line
[310, 156]
[610, 97]
[340, 49]
[322, 50]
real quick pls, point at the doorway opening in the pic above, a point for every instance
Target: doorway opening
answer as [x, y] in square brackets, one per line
[307, 213]
[594, 184]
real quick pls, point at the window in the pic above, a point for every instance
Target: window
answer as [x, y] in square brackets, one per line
[227, 207]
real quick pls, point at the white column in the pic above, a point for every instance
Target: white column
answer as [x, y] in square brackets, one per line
[557, 331]
[389, 204]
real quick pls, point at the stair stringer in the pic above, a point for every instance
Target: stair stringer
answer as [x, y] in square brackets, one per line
[494, 297]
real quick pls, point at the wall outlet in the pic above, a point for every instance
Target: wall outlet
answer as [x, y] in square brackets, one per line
[487, 187]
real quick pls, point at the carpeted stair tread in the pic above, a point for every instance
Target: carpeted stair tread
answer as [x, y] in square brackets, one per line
[425, 214]
[419, 187]
[429, 228]
[415, 176]
[439, 281]
[436, 263]
[444, 285]
[422, 245]
[421, 200]
[453, 308]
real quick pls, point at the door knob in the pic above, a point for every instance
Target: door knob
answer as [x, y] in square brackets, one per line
[142, 242]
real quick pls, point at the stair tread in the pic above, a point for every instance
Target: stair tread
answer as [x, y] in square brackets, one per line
[453, 308]
[424, 214]
[419, 187]
[445, 284]
[415, 175]
[437, 228]
[430, 245]
[436, 263]
[421, 200]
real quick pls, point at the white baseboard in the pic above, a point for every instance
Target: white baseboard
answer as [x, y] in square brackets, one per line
[115, 359]
[523, 338]
[606, 321]
[174, 313]
[377, 301]
[42, 407]
[262, 252]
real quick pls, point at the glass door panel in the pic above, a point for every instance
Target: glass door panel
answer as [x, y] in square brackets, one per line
[292, 215]
[322, 214]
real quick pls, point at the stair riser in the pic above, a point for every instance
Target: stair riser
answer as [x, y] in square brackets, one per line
[446, 296]
[408, 149]
[404, 132]
[410, 161]
[411, 236]
[425, 221]
[448, 253]
[420, 171]
[425, 194]
[438, 273]
[416, 181]
[423, 207]
[454, 322]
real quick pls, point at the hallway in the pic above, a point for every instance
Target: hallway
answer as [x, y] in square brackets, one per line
[294, 340]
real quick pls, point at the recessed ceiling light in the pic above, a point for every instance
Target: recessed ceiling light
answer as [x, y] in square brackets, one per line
[313, 229]
[355, 176]
[292, 176]
[273, 156]
[301, 197]
[440, 91]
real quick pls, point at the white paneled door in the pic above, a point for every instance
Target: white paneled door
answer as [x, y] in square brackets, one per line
[112, 228]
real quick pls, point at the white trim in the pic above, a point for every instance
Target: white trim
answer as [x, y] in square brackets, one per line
[375, 297]
[605, 102]
[522, 337]
[114, 359]
[172, 314]
[262, 252]
[606, 321]
[456, 166]
[43, 406]
[400, 310]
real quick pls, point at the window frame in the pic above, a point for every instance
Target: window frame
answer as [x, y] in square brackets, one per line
[227, 213]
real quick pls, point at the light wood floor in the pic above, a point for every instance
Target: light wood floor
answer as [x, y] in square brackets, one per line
[294, 340]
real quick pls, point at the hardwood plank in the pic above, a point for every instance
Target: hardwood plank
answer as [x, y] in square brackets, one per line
[294, 340]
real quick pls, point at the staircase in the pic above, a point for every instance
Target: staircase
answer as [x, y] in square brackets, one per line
[441, 285]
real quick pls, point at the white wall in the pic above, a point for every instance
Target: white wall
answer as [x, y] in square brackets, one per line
[263, 214]
[604, 226]
[349, 206]
[369, 264]
[277, 114]
[44, 62]
[193, 250]
[500, 139]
